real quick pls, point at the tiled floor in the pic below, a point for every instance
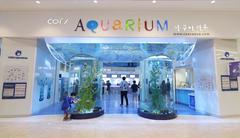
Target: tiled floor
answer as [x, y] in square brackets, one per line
[111, 105]
[119, 126]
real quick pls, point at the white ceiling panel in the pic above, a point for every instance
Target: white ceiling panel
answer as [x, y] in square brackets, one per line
[173, 5]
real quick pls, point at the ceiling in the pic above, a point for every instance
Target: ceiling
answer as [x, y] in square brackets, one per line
[173, 5]
[122, 52]
[119, 49]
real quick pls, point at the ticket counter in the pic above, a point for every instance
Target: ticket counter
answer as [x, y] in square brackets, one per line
[184, 90]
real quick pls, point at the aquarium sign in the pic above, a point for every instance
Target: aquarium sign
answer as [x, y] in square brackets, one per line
[122, 25]
[191, 29]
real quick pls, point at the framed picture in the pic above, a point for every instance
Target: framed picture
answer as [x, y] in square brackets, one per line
[234, 68]
[14, 90]
[229, 83]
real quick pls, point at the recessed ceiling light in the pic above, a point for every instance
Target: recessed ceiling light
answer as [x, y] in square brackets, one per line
[38, 2]
[154, 1]
[213, 1]
[95, 1]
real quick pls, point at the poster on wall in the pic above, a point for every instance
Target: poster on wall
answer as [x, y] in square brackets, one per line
[233, 83]
[14, 90]
[225, 83]
[15, 82]
[229, 83]
[15, 74]
[44, 83]
[234, 68]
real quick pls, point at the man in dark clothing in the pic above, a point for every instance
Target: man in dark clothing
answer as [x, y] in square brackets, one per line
[134, 87]
[124, 90]
[108, 86]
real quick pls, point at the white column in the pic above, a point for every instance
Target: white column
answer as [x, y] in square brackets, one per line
[17, 107]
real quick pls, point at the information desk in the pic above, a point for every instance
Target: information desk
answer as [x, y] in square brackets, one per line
[182, 95]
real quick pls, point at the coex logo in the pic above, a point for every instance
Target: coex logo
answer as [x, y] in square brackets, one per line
[18, 53]
[227, 56]
[57, 21]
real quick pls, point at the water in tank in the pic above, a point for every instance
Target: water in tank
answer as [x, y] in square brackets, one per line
[156, 93]
[86, 82]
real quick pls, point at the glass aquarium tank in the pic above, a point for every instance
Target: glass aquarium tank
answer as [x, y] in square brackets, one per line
[86, 84]
[156, 93]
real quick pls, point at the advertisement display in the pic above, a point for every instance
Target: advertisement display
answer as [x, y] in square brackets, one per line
[14, 90]
[229, 83]
[234, 68]
[15, 82]
[113, 24]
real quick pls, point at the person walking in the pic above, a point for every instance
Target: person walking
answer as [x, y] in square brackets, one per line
[134, 88]
[124, 90]
[108, 86]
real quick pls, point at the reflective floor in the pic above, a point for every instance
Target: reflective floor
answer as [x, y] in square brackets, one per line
[111, 105]
[120, 126]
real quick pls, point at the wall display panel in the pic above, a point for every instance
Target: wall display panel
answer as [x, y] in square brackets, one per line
[14, 90]
[15, 82]
[234, 68]
[229, 83]
[15, 74]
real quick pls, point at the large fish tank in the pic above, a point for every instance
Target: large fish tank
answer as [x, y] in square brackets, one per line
[156, 93]
[86, 84]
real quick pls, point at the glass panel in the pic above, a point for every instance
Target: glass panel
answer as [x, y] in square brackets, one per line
[122, 52]
[85, 82]
[156, 85]
[184, 78]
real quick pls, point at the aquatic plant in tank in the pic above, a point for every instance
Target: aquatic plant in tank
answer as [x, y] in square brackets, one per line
[88, 95]
[87, 92]
[156, 99]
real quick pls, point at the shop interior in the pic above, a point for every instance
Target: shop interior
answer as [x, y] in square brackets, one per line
[133, 58]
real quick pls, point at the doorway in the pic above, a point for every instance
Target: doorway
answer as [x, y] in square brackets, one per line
[115, 58]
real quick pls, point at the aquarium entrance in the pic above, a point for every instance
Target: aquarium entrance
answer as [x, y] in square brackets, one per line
[111, 78]
[114, 59]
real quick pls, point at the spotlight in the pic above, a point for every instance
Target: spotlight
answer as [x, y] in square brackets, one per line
[38, 2]
[95, 1]
[213, 1]
[154, 1]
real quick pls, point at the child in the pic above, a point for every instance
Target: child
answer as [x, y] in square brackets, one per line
[66, 105]
[72, 100]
